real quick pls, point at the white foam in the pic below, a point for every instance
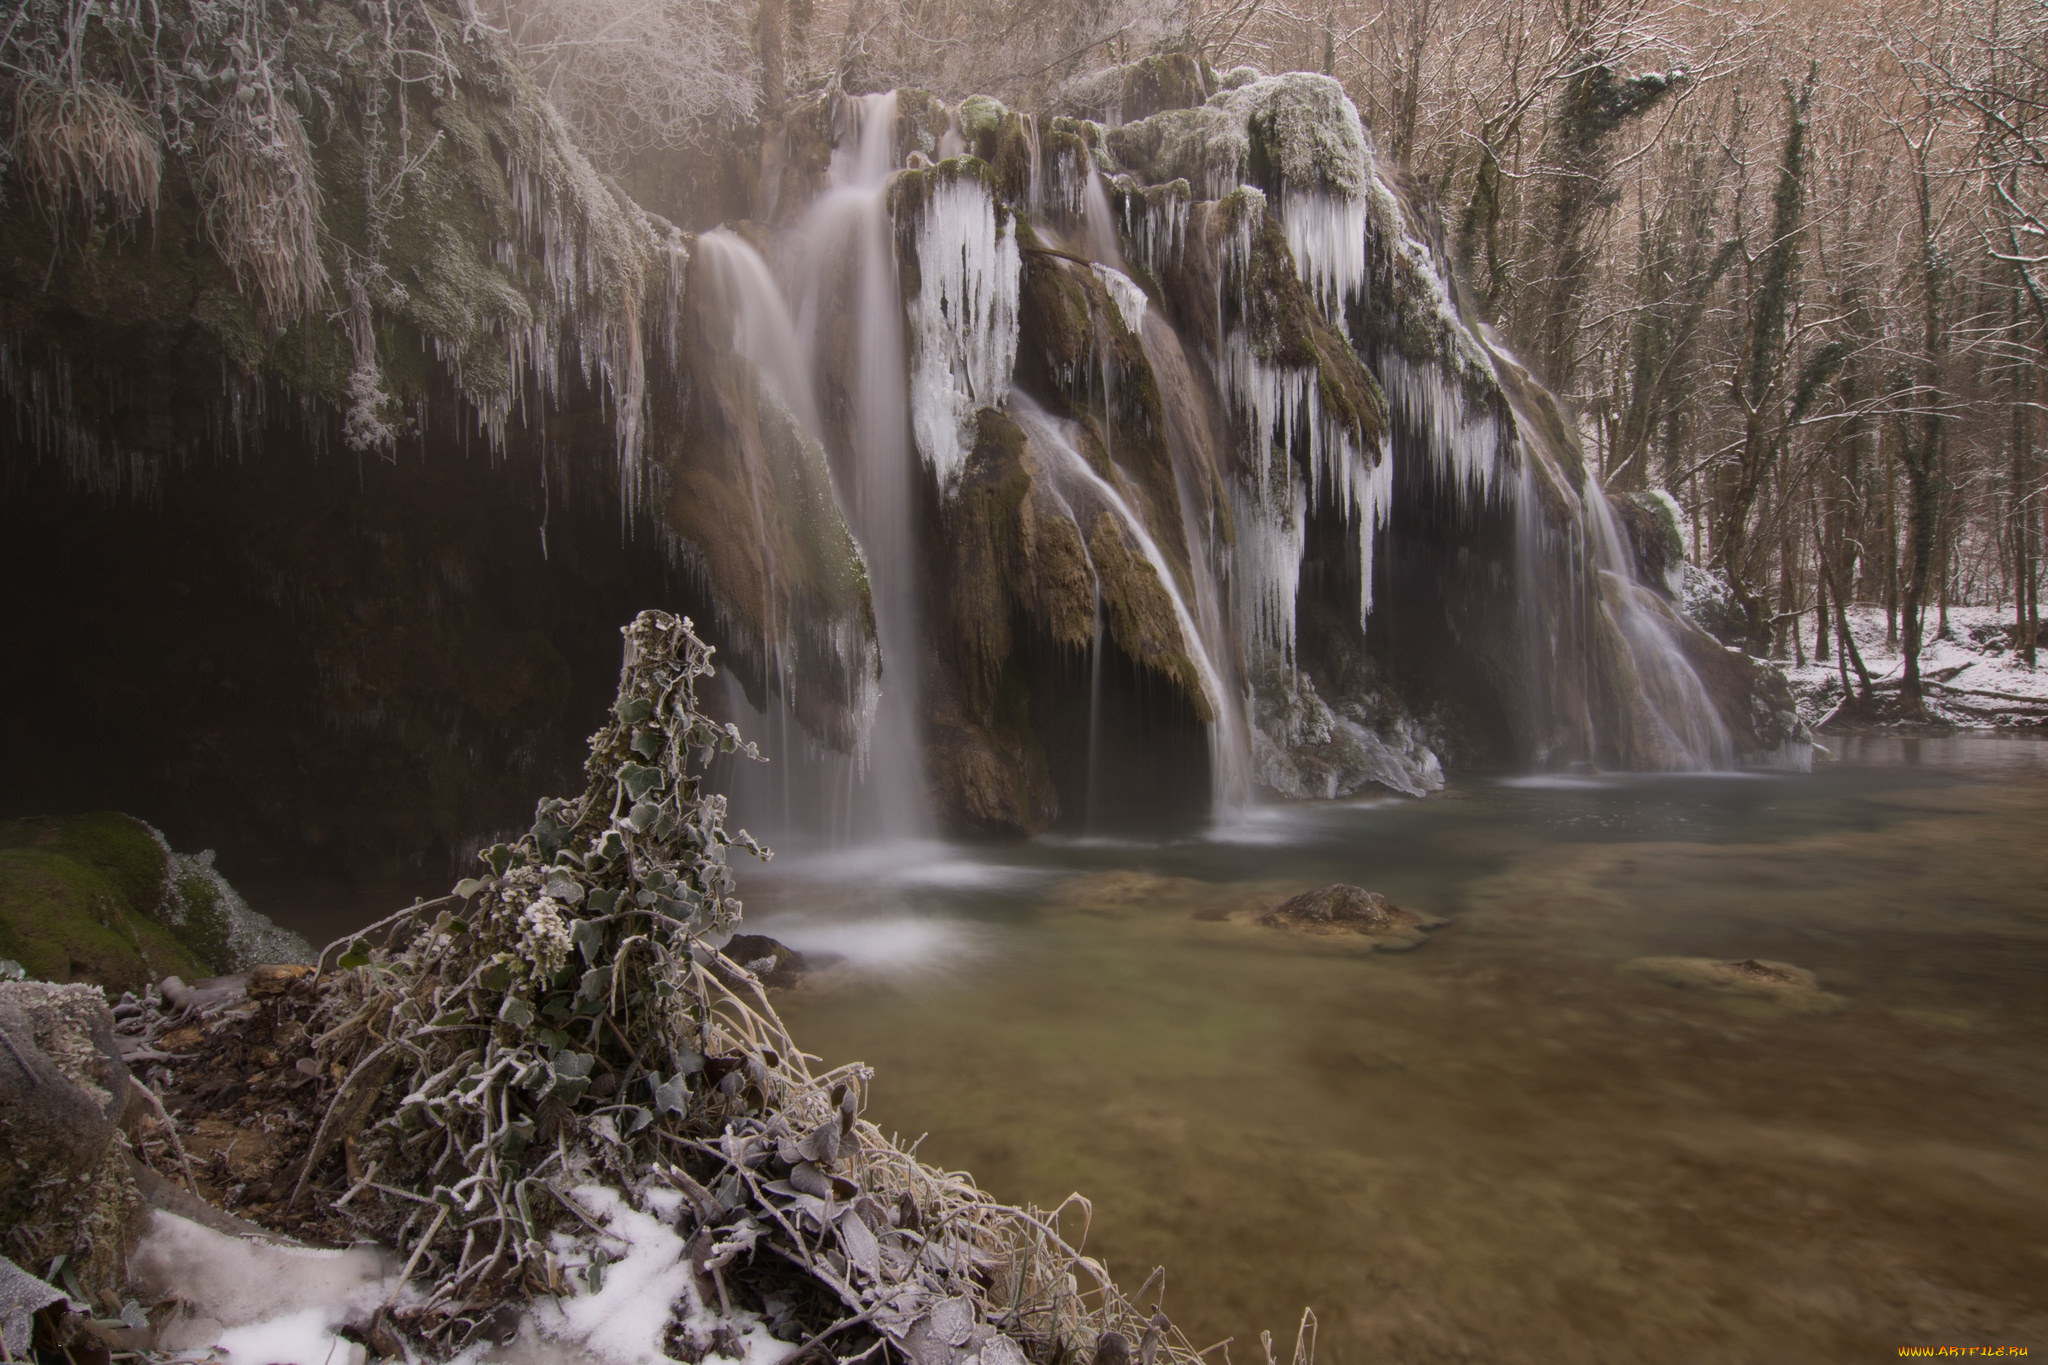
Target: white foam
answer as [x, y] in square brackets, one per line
[885, 945]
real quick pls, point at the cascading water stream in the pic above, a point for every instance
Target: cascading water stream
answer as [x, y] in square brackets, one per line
[847, 247]
[846, 339]
[1077, 481]
[1690, 731]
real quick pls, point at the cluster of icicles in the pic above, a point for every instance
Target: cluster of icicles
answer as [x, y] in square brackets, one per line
[961, 326]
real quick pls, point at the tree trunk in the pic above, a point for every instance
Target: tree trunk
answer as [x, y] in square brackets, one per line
[768, 37]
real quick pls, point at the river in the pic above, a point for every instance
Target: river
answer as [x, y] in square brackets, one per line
[1506, 1145]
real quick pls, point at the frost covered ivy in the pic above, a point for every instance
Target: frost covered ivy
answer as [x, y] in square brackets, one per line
[545, 1020]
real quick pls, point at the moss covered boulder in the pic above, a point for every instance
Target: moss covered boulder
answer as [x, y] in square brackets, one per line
[101, 898]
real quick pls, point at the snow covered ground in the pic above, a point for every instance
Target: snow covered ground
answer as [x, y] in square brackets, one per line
[1974, 678]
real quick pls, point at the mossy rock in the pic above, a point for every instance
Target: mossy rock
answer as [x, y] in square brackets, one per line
[119, 847]
[65, 920]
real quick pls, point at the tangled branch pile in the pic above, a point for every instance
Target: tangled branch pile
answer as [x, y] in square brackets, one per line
[551, 1057]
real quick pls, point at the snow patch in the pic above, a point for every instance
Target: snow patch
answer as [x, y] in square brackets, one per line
[258, 1302]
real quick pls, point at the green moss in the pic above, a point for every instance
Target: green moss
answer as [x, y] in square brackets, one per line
[64, 920]
[1142, 620]
[980, 116]
[118, 847]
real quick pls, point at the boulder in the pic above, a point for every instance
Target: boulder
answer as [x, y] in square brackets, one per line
[103, 898]
[65, 1188]
[776, 964]
[1340, 908]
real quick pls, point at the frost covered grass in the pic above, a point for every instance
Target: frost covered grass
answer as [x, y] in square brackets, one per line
[83, 146]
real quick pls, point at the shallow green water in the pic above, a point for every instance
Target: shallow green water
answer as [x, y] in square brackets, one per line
[1504, 1146]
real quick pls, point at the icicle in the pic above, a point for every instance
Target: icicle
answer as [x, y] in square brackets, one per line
[1326, 233]
[1155, 223]
[1466, 446]
[964, 321]
[1124, 293]
[1265, 563]
[1283, 406]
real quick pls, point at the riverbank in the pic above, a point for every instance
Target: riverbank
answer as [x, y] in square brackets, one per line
[1974, 676]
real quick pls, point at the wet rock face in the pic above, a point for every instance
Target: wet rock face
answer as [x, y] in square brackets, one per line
[1342, 908]
[1651, 523]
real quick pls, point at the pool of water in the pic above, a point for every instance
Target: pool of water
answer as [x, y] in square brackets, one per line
[1505, 1145]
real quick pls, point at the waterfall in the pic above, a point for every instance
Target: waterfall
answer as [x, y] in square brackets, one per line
[850, 223]
[845, 339]
[1687, 730]
[1079, 484]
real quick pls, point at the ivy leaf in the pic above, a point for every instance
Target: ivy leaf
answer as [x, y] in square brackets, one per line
[597, 984]
[602, 902]
[516, 1012]
[643, 818]
[589, 937]
[499, 856]
[607, 849]
[635, 709]
[468, 887]
[639, 779]
[637, 1118]
[355, 957]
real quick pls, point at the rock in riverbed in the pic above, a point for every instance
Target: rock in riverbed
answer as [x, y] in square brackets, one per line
[1780, 983]
[777, 965]
[1340, 908]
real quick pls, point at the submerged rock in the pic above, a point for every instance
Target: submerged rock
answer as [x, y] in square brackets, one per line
[1781, 983]
[1113, 891]
[1340, 908]
[776, 964]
